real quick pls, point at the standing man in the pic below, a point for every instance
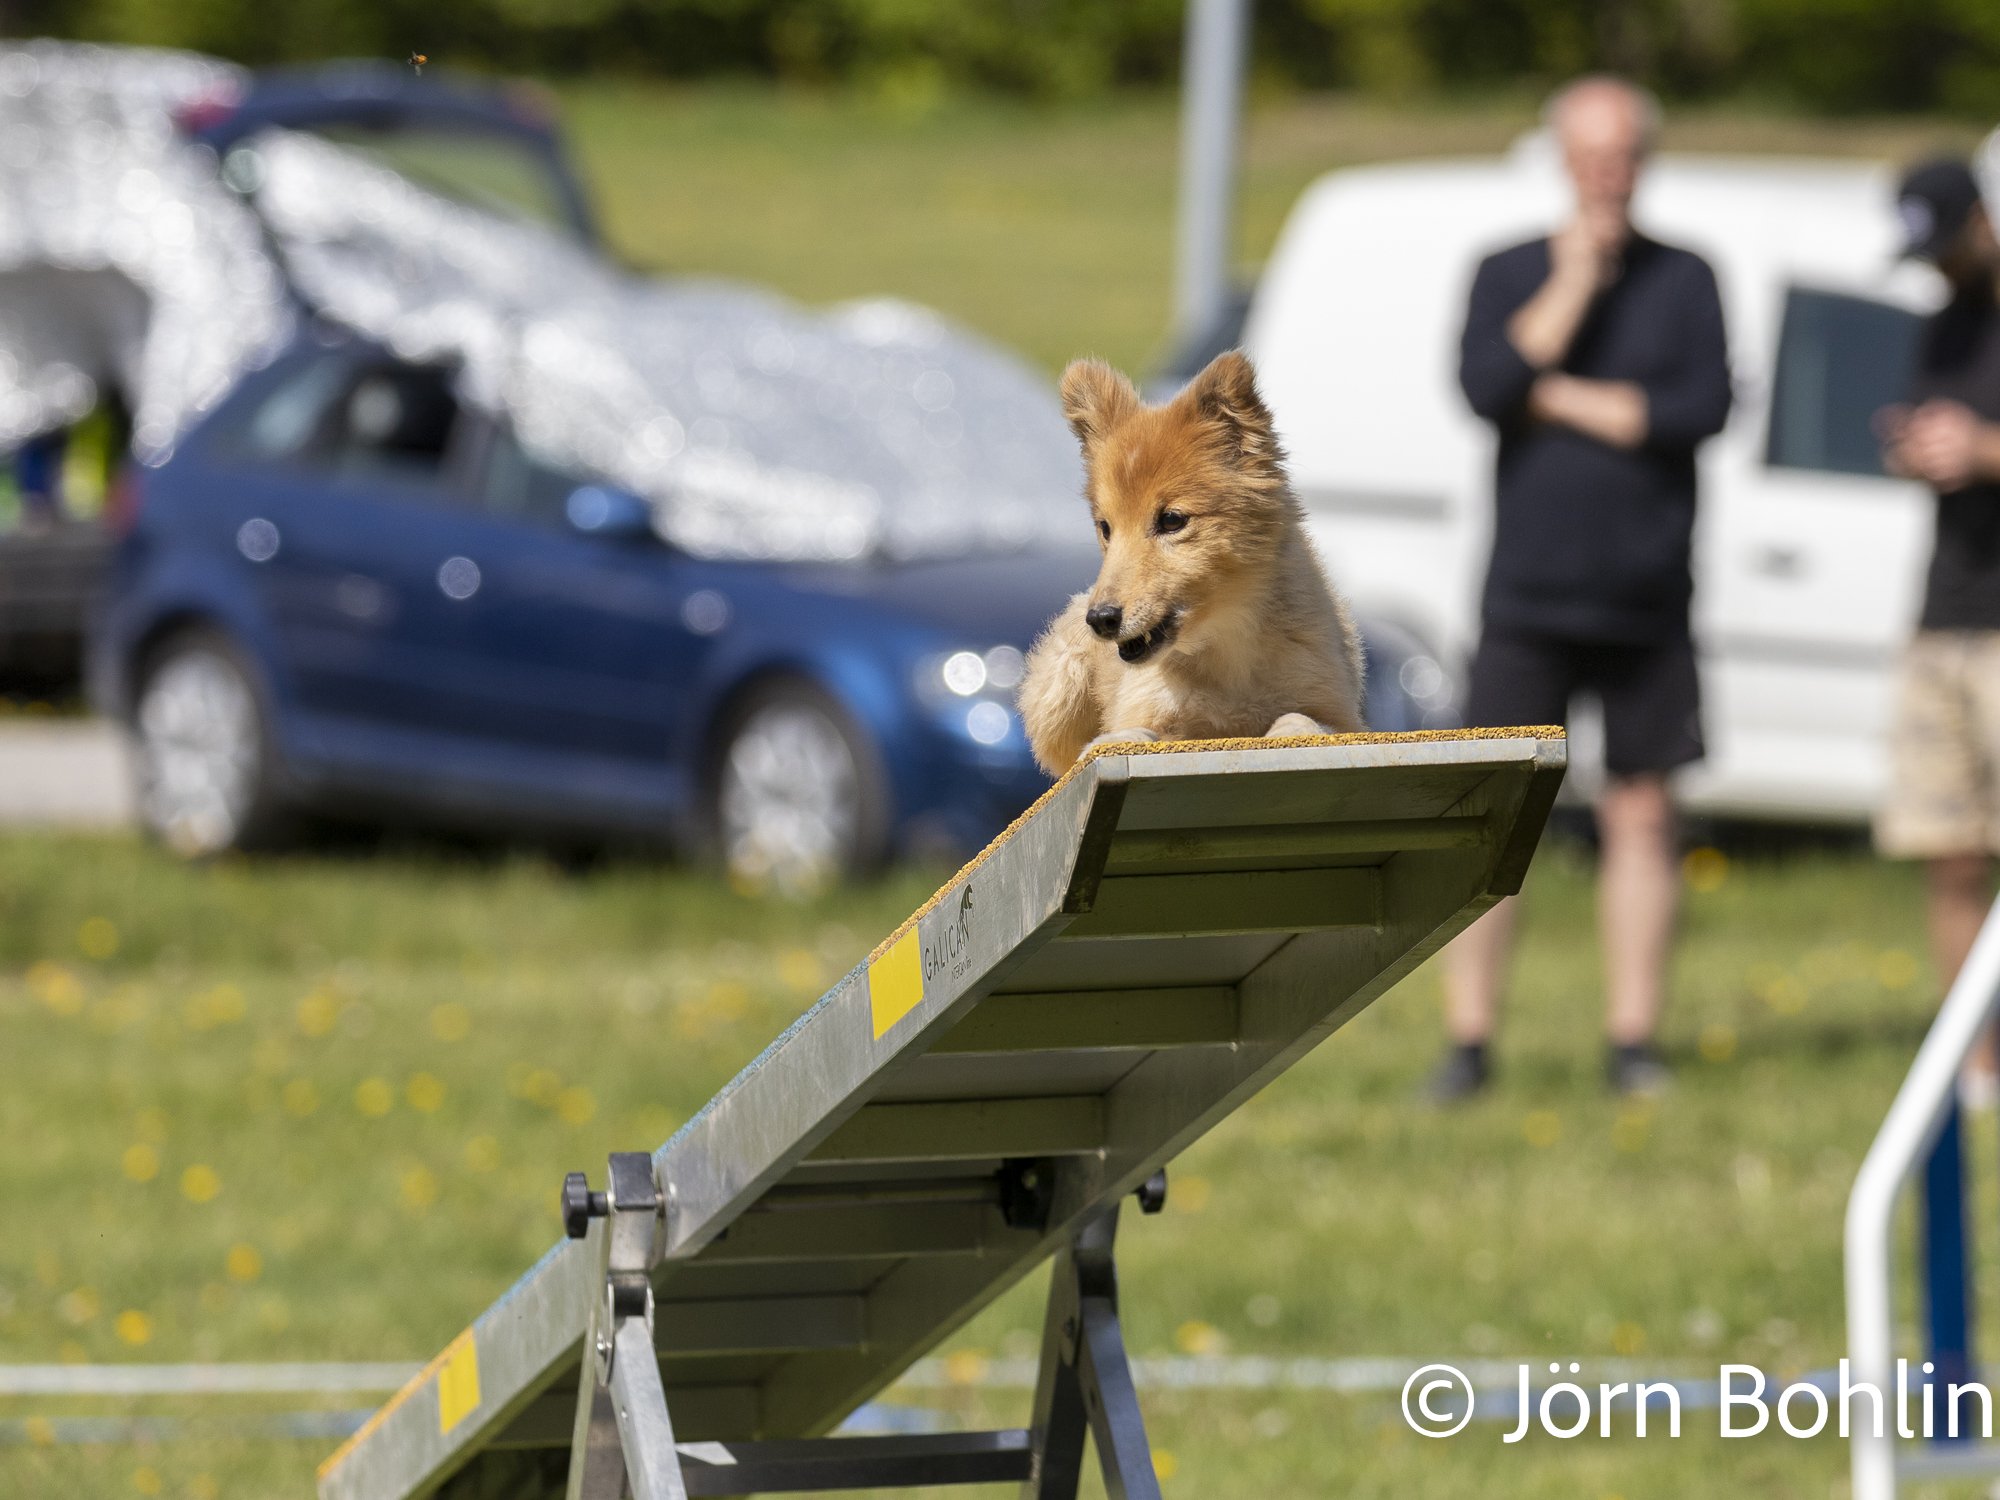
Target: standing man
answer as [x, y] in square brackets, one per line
[1598, 355]
[1943, 805]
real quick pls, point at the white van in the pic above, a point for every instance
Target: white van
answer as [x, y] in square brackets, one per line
[1808, 560]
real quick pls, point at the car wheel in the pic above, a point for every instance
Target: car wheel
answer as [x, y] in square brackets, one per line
[204, 749]
[800, 797]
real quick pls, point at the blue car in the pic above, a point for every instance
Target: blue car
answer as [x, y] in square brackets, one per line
[349, 590]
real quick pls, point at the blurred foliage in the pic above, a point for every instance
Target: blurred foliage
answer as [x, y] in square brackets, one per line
[1833, 55]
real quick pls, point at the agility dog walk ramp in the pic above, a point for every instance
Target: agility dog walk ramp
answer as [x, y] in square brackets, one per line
[1163, 933]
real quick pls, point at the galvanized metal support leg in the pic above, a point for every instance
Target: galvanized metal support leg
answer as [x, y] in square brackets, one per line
[623, 1441]
[652, 1467]
[596, 1466]
[1086, 1380]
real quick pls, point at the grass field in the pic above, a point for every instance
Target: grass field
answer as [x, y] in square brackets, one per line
[1049, 229]
[317, 1107]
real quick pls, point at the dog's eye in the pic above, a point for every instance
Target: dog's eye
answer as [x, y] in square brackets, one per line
[1167, 522]
[1104, 530]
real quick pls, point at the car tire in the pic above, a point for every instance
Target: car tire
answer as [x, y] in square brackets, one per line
[798, 794]
[207, 769]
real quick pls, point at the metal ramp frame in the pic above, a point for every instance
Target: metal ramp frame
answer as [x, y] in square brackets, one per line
[1921, 1134]
[1164, 932]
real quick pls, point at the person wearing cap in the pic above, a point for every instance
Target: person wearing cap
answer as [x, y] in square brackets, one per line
[1598, 355]
[1943, 804]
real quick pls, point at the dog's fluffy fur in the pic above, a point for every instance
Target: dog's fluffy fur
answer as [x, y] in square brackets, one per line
[1210, 617]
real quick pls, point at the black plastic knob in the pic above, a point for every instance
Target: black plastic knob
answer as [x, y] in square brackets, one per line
[580, 1205]
[1152, 1193]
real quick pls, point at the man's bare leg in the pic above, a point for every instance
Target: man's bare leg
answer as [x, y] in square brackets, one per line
[1475, 975]
[1638, 897]
[1958, 892]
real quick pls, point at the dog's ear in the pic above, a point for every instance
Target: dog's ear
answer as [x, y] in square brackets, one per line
[1226, 394]
[1096, 399]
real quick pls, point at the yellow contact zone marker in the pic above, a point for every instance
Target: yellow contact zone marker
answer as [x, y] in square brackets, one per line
[458, 1381]
[388, 1408]
[896, 982]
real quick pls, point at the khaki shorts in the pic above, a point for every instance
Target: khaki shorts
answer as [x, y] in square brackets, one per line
[1944, 749]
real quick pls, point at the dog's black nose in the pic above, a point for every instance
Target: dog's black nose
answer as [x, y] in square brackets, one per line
[1104, 619]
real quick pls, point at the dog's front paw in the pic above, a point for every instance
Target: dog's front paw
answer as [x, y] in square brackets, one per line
[1116, 737]
[1291, 724]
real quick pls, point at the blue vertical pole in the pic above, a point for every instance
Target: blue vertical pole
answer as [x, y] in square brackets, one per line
[1947, 1286]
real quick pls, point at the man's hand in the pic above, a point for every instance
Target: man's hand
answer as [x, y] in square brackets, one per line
[1586, 250]
[1583, 261]
[1612, 411]
[1943, 443]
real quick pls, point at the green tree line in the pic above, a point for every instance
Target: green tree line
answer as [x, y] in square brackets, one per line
[1832, 55]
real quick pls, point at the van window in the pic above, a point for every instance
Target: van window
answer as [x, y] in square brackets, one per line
[1841, 359]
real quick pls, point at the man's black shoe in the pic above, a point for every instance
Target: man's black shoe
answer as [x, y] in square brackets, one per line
[1462, 1074]
[1635, 1071]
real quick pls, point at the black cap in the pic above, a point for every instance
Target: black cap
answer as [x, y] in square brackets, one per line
[1934, 200]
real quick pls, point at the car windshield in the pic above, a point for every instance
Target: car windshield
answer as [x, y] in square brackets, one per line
[491, 172]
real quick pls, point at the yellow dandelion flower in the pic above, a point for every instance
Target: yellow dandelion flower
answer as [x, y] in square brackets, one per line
[1197, 1337]
[59, 991]
[374, 1098]
[1705, 869]
[420, 1188]
[575, 1105]
[966, 1366]
[318, 1013]
[133, 1327]
[1542, 1127]
[1165, 1465]
[425, 1091]
[1718, 1041]
[97, 938]
[146, 1480]
[1897, 969]
[200, 1184]
[243, 1263]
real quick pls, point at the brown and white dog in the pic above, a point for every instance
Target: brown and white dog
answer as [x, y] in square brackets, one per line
[1210, 617]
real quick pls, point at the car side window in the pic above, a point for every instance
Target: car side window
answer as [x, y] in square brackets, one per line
[384, 420]
[394, 422]
[519, 486]
[1841, 359]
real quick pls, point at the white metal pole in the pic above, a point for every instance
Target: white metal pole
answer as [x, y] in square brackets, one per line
[1212, 100]
[1908, 1132]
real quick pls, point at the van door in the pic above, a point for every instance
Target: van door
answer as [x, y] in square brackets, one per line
[1813, 565]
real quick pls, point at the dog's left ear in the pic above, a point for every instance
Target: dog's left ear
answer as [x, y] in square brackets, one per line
[1226, 393]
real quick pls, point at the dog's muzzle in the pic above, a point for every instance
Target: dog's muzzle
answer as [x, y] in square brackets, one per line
[1137, 648]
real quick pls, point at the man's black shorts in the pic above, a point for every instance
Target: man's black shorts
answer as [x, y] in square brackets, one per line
[1651, 694]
